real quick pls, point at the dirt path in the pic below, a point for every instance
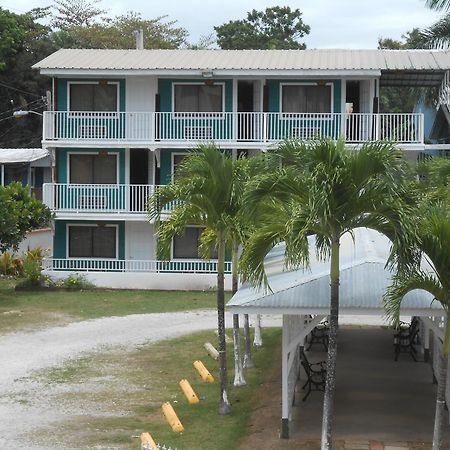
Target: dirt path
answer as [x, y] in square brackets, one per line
[22, 397]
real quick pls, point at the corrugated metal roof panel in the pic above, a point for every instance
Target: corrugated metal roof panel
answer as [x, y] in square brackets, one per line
[20, 155]
[322, 59]
[363, 282]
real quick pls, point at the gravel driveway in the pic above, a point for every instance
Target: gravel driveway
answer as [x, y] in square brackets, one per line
[23, 405]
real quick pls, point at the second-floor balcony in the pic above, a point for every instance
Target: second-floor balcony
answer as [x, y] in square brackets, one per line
[86, 200]
[161, 129]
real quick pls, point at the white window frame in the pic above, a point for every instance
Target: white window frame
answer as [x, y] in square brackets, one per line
[104, 114]
[117, 155]
[183, 115]
[68, 225]
[326, 116]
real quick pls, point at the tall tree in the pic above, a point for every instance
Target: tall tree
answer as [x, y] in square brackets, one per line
[434, 242]
[325, 189]
[278, 27]
[20, 86]
[207, 191]
[76, 13]
[118, 33]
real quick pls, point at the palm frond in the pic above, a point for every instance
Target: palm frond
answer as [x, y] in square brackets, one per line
[438, 4]
[438, 34]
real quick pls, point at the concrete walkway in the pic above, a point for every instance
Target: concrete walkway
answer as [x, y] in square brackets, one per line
[380, 403]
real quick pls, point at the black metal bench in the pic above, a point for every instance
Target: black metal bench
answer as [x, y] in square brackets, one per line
[316, 375]
[319, 335]
[406, 338]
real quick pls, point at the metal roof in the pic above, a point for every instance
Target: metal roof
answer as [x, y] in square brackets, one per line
[321, 59]
[21, 155]
[363, 281]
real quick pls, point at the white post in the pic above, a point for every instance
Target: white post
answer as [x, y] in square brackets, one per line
[284, 382]
[3, 175]
[257, 340]
[234, 114]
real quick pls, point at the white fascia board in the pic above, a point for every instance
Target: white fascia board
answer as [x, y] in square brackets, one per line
[326, 311]
[224, 73]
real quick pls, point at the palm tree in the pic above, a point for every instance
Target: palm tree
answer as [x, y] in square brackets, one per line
[325, 189]
[434, 243]
[438, 4]
[207, 192]
[438, 34]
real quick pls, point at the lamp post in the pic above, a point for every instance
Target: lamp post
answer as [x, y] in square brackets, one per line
[23, 113]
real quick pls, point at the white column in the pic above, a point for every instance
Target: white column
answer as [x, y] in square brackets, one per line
[3, 175]
[343, 105]
[284, 382]
[235, 109]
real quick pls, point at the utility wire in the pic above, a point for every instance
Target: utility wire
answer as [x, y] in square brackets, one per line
[14, 109]
[19, 90]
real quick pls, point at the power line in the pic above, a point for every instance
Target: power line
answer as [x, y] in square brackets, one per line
[26, 104]
[19, 90]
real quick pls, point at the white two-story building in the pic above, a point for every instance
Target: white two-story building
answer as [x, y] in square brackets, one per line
[121, 120]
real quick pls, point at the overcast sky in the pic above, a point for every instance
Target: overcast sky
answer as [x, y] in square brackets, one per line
[334, 23]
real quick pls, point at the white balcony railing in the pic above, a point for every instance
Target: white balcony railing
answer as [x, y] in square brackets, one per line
[150, 127]
[99, 198]
[123, 265]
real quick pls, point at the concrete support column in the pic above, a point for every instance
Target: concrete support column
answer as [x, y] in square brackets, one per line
[284, 383]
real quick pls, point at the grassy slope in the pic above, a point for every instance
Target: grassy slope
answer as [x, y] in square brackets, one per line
[20, 310]
[130, 388]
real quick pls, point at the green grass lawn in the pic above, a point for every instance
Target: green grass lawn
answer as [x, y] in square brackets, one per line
[122, 393]
[24, 310]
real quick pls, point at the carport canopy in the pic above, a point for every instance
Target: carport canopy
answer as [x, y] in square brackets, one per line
[364, 279]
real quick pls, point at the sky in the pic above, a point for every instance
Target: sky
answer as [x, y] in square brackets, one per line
[334, 23]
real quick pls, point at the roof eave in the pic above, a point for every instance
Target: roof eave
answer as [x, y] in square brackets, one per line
[266, 73]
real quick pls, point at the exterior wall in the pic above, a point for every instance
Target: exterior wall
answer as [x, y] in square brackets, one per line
[140, 94]
[60, 236]
[157, 281]
[139, 241]
[37, 238]
[61, 92]
[62, 161]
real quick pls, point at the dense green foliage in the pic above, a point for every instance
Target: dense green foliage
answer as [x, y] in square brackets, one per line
[278, 27]
[19, 213]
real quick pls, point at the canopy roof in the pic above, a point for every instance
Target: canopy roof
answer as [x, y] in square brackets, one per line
[394, 66]
[363, 282]
[21, 155]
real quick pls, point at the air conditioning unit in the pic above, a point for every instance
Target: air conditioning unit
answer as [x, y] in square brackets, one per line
[198, 133]
[306, 133]
[92, 132]
[94, 202]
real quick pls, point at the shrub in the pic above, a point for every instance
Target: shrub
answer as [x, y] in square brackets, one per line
[10, 265]
[77, 281]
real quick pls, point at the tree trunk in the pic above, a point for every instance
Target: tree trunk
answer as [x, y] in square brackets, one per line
[257, 340]
[239, 379]
[248, 361]
[328, 401]
[224, 403]
[440, 398]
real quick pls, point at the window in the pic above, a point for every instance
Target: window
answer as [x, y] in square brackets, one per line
[198, 98]
[93, 97]
[92, 241]
[185, 246]
[93, 168]
[306, 98]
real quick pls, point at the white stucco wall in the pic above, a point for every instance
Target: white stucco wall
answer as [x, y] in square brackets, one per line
[140, 94]
[139, 241]
[38, 238]
[155, 281]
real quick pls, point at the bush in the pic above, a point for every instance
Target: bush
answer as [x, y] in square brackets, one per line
[10, 265]
[77, 281]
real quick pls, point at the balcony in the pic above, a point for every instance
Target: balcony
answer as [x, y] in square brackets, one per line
[122, 265]
[257, 129]
[87, 200]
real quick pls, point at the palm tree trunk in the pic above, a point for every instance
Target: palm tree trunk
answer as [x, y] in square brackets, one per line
[257, 340]
[224, 403]
[328, 401]
[248, 361]
[239, 379]
[440, 398]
